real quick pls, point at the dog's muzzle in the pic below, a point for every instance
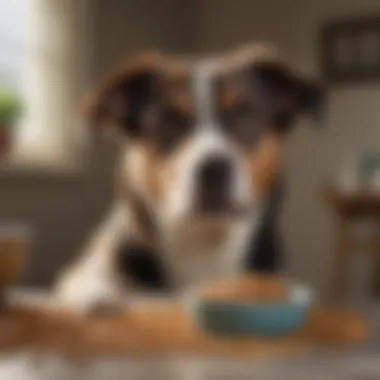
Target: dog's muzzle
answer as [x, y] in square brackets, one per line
[214, 185]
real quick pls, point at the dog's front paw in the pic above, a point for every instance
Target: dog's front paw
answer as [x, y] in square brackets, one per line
[90, 300]
[92, 306]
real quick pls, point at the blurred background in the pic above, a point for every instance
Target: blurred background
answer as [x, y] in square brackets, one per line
[51, 51]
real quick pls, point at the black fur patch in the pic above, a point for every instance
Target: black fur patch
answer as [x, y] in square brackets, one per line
[142, 266]
[285, 95]
[265, 251]
[136, 94]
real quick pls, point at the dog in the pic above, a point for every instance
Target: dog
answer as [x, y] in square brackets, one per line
[202, 148]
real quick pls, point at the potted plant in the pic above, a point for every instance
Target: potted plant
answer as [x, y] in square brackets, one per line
[10, 111]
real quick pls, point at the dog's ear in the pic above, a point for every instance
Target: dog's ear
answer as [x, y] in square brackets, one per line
[126, 97]
[284, 94]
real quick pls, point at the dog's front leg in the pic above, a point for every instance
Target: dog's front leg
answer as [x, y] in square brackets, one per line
[91, 284]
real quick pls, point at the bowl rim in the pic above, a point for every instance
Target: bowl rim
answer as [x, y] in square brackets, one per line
[301, 295]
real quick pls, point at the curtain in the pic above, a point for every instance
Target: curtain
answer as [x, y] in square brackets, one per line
[57, 68]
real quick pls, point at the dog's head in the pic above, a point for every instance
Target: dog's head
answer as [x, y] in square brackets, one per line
[203, 137]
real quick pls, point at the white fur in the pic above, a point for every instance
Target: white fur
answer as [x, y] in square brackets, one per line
[192, 261]
[92, 278]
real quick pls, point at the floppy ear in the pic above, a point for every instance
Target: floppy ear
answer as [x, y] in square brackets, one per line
[285, 95]
[125, 97]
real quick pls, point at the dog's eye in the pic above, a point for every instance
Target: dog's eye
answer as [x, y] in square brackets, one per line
[241, 122]
[174, 126]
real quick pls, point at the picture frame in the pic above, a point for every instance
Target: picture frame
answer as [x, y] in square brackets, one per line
[350, 50]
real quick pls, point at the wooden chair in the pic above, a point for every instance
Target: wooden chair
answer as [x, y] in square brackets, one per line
[349, 207]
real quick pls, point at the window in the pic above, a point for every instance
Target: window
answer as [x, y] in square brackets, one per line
[12, 33]
[45, 56]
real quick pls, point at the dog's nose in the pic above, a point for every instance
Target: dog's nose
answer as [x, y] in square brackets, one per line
[214, 182]
[215, 171]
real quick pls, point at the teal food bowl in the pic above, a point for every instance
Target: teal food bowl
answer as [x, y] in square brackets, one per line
[232, 318]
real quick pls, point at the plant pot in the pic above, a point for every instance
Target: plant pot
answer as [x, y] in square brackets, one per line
[6, 140]
[15, 245]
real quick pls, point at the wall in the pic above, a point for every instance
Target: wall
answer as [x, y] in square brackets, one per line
[63, 210]
[312, 155]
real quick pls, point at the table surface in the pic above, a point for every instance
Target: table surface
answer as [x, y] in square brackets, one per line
[353, 364]
[161, 327]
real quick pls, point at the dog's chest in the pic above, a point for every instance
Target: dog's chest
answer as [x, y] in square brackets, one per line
[189, 267]
[192, 256]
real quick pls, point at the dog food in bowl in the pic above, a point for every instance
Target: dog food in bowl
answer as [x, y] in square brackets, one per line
[258, 288]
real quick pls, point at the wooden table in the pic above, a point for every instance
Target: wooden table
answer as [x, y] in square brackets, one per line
[349, 207]
[163, 328]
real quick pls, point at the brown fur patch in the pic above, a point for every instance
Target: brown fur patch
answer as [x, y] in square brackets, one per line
[154, 172]
[181, 99]
[229, 96]
[265, 163]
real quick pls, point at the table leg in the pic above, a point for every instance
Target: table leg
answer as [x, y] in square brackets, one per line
[340, 259]
[375, 281]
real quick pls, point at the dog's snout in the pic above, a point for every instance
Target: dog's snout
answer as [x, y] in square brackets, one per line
[215, 171]
[214, 183]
